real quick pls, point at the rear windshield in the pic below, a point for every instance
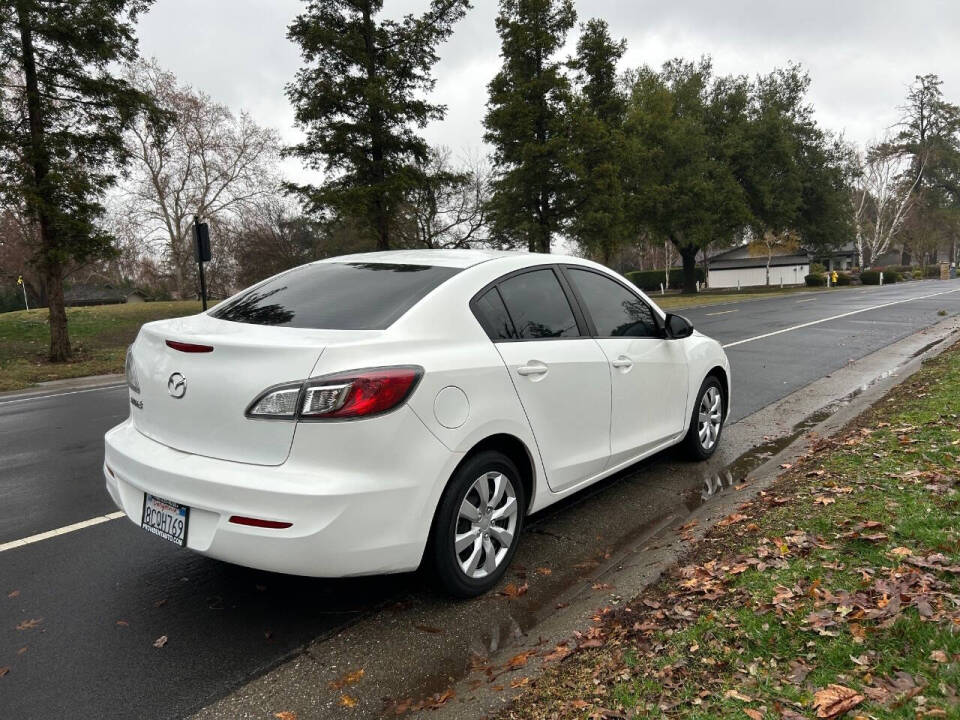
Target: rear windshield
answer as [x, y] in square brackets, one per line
[336, 296]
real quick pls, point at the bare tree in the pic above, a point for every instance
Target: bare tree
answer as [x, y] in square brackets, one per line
[884, 192]
[447, 208]
[765, 246]
[199, 159]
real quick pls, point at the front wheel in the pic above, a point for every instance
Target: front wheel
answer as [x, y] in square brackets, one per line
[706, 424]
[478, 524]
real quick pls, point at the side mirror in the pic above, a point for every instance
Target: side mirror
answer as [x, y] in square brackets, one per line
[677, 327]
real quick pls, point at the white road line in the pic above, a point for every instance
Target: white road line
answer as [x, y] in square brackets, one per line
[807, 300]
[836, 317]
[722, 312]
[60, 531]
[54, 395]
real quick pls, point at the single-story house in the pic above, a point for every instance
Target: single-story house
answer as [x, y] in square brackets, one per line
[739, 268]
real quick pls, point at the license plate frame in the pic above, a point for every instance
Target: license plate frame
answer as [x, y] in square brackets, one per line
[164, 515]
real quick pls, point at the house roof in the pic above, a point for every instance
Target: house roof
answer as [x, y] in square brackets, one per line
[740, 257]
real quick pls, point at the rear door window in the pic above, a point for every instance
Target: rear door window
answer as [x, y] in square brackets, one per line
[616, 312]
[538, 306]
[336, 296]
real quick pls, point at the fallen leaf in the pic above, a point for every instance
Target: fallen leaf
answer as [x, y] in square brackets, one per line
[835, 700]
[518, 661]
[736, 695]
[350, 678]
[544, 571]
[347, 701]
[4, 670]
[939, 656]
[753, 714]
[732, 519]
[823, 500]
[12, 594]
[513, 591]
[786, 466]
[428, 629]
[602, 586]
[22, 650]
[29, 624]
[160, 641]
[901, 551]
[122, 623]
[285, 715]
[519, 682]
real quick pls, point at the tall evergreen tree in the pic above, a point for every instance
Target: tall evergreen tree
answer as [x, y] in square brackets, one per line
[526, 123]
[61, 128]
[360, 98]
[598, 221]
[681, 127]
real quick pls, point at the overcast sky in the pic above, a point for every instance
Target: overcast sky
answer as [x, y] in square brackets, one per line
[861, 54]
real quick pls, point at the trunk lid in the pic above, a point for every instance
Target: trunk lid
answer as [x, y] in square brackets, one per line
[208, 419]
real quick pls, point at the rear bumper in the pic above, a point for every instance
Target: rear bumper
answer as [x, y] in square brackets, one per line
[354, 510]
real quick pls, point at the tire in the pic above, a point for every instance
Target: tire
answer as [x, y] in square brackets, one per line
[698, 445]
[453, 568]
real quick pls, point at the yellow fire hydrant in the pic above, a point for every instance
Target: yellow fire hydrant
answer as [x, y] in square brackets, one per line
[833, 277]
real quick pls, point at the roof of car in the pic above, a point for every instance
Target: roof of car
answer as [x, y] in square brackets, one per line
[445, 258]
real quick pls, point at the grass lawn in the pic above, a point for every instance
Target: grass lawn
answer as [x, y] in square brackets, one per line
[717, 297]
[836, 593]
[99, 336]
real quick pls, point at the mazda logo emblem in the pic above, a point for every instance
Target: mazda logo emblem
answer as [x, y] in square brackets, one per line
[177, 386]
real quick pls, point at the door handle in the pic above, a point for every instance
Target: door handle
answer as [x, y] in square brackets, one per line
[622, 362]
[532, 368]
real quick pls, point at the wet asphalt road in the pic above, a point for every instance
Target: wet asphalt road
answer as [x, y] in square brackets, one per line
[103, 594]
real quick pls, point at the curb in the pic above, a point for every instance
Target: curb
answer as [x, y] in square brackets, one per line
[62, 387]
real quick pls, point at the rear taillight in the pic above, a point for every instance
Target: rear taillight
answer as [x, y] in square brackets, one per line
[336, 397]
[130, 368]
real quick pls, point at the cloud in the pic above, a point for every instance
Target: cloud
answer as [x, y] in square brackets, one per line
[861, 55]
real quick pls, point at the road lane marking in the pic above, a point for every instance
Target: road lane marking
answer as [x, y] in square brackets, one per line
[60, 531]
[807, 300]
[722, 312]
[61, 394]
[836, 317]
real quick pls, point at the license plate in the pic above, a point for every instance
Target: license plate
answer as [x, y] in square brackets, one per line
[165, 519]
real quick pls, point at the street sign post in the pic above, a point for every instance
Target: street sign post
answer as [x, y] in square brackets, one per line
[201, 248]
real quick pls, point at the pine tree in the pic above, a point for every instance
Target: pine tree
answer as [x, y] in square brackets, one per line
[359, 98]
[526, 123]
[598, 221]
[61, 128]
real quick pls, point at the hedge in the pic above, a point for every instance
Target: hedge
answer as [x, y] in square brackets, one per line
[815, 280]
[651, 279]
[872, 277]
[844, 279]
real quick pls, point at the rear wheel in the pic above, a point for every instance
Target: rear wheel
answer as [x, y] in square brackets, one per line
[706, 424]
[478, 524]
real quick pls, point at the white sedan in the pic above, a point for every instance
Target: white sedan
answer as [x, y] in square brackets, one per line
[367, 413]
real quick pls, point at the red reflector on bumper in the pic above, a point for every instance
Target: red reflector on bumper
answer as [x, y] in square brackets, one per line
[189, 347]
[257, 522]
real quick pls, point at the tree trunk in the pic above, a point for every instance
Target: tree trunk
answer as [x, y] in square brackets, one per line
[688, 254]
[59, 340]
[40, 206]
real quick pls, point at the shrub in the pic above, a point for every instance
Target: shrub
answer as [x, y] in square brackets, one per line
[651, 279]
[817, 269]
[844, 279]
[815, 280]
[917, 274]
[931, 271]
[872, 277]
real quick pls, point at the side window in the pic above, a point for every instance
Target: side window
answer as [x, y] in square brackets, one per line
[616, 311]
[538, 305]
[492, 314]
